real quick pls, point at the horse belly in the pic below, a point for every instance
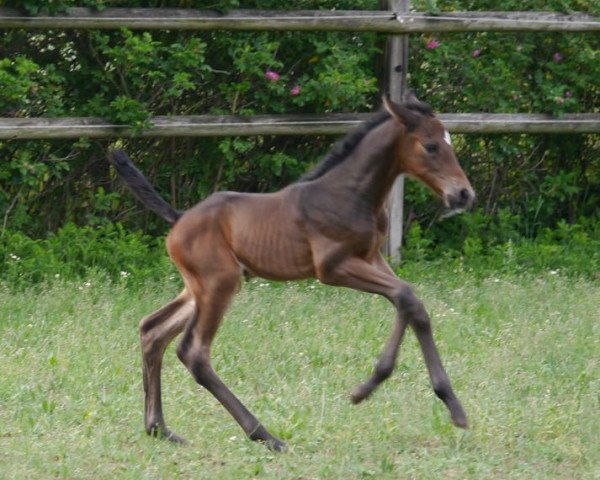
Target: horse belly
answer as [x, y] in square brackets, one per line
[269, 243]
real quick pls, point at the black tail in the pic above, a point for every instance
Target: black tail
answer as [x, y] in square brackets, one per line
[141, 188]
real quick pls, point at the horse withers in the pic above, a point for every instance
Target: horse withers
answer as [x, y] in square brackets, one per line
[329, 225]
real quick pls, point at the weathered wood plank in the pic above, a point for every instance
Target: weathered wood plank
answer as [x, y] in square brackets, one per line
[302, 20]
[500, 22]
[520, 123]
[182, 126]
[326, 124]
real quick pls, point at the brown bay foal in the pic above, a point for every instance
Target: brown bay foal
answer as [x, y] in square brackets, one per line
[330, 225]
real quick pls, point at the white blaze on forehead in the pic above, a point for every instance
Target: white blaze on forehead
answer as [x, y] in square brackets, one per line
[447, 137]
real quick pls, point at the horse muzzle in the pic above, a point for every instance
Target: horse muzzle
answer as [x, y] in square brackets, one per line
[460, 199]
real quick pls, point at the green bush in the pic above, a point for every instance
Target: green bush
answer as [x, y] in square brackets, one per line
[572, 249]
[527, 185]
[75, 253]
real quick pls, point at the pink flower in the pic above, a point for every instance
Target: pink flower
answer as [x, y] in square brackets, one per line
[560, 100]
[557, 57]
[476, 53]
[568, 94]
[433, 44]
[295, 91]
[272, 76]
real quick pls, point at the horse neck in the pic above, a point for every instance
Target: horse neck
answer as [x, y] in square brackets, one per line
[370, 170]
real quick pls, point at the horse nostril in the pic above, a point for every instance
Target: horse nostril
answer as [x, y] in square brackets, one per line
[465, 195]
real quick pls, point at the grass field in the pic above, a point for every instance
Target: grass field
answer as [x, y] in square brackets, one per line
[523, 353]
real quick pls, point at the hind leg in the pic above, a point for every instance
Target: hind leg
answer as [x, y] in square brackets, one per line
[213, 295]
[156, 332]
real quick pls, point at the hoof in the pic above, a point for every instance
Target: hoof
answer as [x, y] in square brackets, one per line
[261, 435]
[276, 445]
[360, 393]
[460, 421]
[457, 413]
[164, 433]
[171, 437]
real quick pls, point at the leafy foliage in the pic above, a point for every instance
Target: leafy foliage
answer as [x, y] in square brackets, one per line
[78, 252]
[528, 185]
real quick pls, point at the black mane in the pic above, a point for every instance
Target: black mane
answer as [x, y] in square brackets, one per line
[344, 147]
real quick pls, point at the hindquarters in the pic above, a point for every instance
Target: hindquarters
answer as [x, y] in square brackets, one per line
[200, 245]
[197, 243]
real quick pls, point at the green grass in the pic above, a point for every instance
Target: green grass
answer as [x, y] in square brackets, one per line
[523, 353]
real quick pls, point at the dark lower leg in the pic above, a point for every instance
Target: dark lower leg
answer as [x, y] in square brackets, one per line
[385, 364]
[207, 377]
[156, 332]
[154, 422]
[373, 277]
[194, 352]
[439, 378]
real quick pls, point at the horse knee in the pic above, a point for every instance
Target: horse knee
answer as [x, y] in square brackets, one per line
[183, 349]
[158, 329]
[148, 340]
[410, 306]
[196, 359]
[406, 299]
[443, 391]
[327, 273]
[384, 370]
[201, 371]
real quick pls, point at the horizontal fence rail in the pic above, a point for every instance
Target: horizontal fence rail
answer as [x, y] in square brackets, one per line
[397, 20]
[302, 20]
[324, 124]
[323, 20]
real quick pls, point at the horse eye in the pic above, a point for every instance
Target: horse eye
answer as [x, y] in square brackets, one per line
[432, 148]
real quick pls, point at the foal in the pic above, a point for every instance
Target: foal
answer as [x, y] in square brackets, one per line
[330, 225]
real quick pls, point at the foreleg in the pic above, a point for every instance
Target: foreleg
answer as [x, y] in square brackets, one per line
[377, 277]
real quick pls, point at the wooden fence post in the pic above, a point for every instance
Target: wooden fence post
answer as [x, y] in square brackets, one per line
[396, 68]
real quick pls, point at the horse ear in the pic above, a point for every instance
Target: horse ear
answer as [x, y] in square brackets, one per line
[401, 114]
[410, 97]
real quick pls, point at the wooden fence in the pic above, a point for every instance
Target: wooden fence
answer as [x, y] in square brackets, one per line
[393, 21]
[301, 124]
[396, 20]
